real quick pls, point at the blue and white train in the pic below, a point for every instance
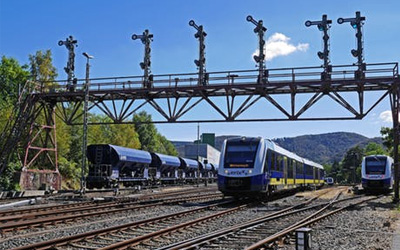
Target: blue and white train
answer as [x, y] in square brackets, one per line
[255, 166]
[129, 167]
[377, 173]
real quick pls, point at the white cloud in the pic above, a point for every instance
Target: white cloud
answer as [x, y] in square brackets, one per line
[279, 45]
[386, 116]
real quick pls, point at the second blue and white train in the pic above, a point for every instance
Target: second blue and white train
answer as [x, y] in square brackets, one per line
[256, 166]
[377, 173]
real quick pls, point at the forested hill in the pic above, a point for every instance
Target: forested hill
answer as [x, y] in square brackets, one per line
[321, 148]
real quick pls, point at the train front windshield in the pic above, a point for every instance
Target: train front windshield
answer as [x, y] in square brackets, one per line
[240, 154]
[375, 165]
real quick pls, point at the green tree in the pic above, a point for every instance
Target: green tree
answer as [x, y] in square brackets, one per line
[12, 77]
[149, 137]
[123, 135]
[387, 137]
[147, 131]
[374, 149]
[166, 147]
[42, 70]
[351, 164]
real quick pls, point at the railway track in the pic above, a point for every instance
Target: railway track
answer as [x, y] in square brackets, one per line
[145, 234]
[154, 197]
[27, 221]
[251, 235]
[99, 239]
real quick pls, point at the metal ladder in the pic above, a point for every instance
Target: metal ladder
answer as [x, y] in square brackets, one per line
[99, 154]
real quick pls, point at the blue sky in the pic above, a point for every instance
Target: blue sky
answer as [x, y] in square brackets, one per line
[104, 29]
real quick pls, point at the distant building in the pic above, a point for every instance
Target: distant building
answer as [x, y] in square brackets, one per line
[204, 151]
[208, 138]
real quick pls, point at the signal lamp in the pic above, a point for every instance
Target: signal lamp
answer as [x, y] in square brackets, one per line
[354, 52]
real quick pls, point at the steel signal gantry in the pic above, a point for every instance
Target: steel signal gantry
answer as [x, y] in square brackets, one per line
[260, 30]
[70, 44]
[201, 62]
[324, 27]
[357, 24]
[146, 39]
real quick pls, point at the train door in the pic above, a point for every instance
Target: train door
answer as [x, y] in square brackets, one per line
[285, 169]
[294, 162]
[319, 176]
[314, 174]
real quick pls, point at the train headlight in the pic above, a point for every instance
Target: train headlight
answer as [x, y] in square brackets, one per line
[250, 171]
[226, 171]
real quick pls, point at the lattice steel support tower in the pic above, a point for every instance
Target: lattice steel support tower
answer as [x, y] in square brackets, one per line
[260, 59]
[324, 27]
[70, 44]
[41, 160]
[146, 39]
[201, 62]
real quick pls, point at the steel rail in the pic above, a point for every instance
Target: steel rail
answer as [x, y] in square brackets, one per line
[29, 222]
[73, 238]
[292, 228]
[143, 198]
[97, 207]
[197, 242]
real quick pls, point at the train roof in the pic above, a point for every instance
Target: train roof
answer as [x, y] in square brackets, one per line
[124, 154]
[190, 163]
[292, 155]
[311, 163]
[208, 166]
[283, 151]
[377, 156]
[168, 160]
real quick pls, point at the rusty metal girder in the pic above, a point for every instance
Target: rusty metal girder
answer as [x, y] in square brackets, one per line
[120, 98]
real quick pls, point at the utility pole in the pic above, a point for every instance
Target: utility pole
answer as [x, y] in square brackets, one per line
[85, 126]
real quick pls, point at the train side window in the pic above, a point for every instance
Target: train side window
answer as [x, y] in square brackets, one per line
[290, 168]
[273, 161]
[267, 160]
[299, 169]
[279, 160]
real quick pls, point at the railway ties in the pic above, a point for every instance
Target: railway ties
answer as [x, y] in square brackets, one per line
[264, 232]
[113, 235]
[231, 228]
[19, 222]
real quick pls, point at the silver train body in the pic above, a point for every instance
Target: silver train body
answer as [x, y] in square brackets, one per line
[377, 173]
[253, 165]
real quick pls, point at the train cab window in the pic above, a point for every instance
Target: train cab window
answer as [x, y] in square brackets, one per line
[375, 165]
[240, 154]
